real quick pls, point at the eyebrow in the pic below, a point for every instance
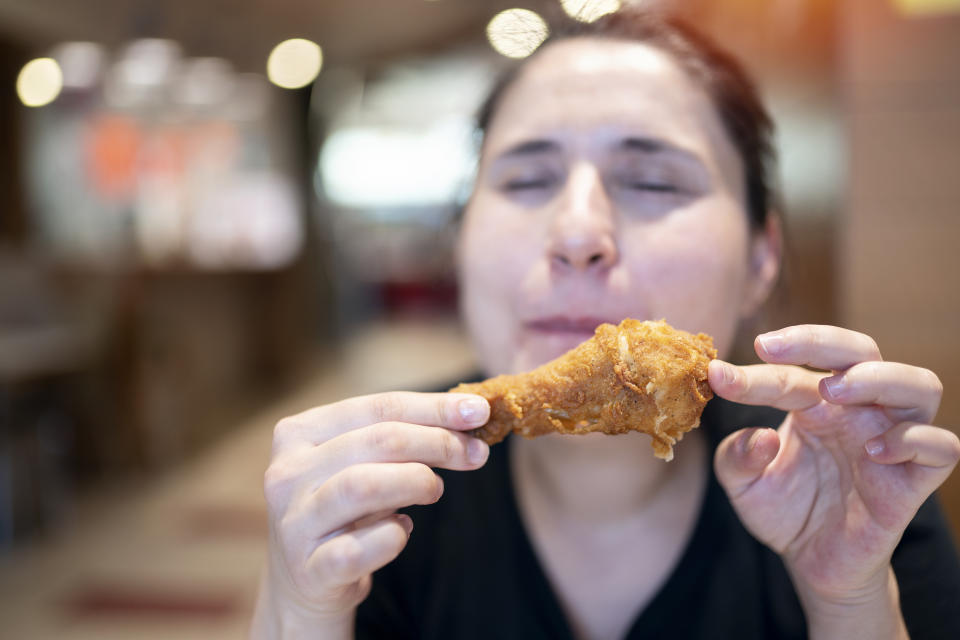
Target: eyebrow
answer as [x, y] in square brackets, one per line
[531, 147]
[638, 144]
[644, 145]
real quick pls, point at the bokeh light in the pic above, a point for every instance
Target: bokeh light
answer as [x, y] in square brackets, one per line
[39, 82]
[589, 10]
[516, 33]
[204, 83]
[82, 64]
[294, 63]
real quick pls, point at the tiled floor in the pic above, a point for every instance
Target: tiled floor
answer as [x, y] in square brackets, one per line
[179, 557]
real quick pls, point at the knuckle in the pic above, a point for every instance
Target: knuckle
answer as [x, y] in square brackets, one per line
[739, 383]
[289, 537]
[870, 373]
[784, 381]
[953, 445]
[276, 483]
[933, 381]
[429, 484]
[747, 386]
[448, 446]
[386, 407]
[343, 558]
[397, 543]
[356, 488]
[282, 431]
[389, 440]
[400, 540]
[443, 415]
[808, 334]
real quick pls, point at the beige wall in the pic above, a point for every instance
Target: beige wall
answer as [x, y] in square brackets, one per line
[897, 253]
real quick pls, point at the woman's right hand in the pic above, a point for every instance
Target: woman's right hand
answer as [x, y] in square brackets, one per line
[337, 475]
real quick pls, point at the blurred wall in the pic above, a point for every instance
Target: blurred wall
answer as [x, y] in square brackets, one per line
[897, 253]
[790, 50]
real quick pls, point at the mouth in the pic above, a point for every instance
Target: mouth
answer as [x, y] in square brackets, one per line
[549, 337]
[560, 325]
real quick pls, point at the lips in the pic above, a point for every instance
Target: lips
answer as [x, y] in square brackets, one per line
[565, 324]
[548, 337]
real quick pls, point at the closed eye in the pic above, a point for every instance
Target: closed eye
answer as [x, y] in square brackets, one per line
[653, 186]
[526, 185]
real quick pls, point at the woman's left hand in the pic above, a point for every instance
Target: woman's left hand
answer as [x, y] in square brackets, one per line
[833, 488]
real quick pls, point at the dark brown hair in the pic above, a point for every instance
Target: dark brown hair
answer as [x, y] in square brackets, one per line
[733, 94]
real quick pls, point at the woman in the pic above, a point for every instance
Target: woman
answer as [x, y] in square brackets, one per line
[623, 173]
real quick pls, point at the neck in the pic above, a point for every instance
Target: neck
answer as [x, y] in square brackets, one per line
[596, 478]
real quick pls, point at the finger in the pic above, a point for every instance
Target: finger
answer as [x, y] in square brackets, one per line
[387, 442]
[921, 444]
[784, 387]
[742, 457]
[363, 489]
[400, 442]
[372, 518]
[889, 384]
[459, 411]
[350, 556]
[818, 346]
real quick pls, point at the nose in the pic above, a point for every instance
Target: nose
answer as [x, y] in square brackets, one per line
[582, 234]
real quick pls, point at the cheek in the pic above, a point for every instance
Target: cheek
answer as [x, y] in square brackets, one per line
[693, 268]
[496, 252]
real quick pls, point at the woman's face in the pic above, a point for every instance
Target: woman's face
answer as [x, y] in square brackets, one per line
[607, 188]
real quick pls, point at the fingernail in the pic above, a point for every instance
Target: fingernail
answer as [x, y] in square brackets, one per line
[835, 385]
[473, 410]
[440, 485]
[874, 447]
[477, 451]
[772, 343]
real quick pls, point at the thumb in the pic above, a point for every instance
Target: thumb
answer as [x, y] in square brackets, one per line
[742, 457]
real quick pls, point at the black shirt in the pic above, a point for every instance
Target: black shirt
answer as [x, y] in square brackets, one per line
[470, 571]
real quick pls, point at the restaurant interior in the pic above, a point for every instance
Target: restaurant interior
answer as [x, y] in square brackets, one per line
[217, 213]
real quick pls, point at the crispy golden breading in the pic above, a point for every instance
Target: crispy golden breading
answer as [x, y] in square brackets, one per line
[637, 376]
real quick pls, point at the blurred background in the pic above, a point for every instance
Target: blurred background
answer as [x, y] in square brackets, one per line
[216, 213]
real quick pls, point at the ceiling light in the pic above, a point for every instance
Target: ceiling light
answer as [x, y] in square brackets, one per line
[39, 82]
[516, 33]
[589, 10]
[294, 63]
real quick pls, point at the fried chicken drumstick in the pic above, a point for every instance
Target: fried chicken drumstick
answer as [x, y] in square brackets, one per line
[636, 376]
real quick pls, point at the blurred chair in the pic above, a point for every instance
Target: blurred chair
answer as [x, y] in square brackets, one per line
[40, 346]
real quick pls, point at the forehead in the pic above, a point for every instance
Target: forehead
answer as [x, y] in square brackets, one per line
[602, 88]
